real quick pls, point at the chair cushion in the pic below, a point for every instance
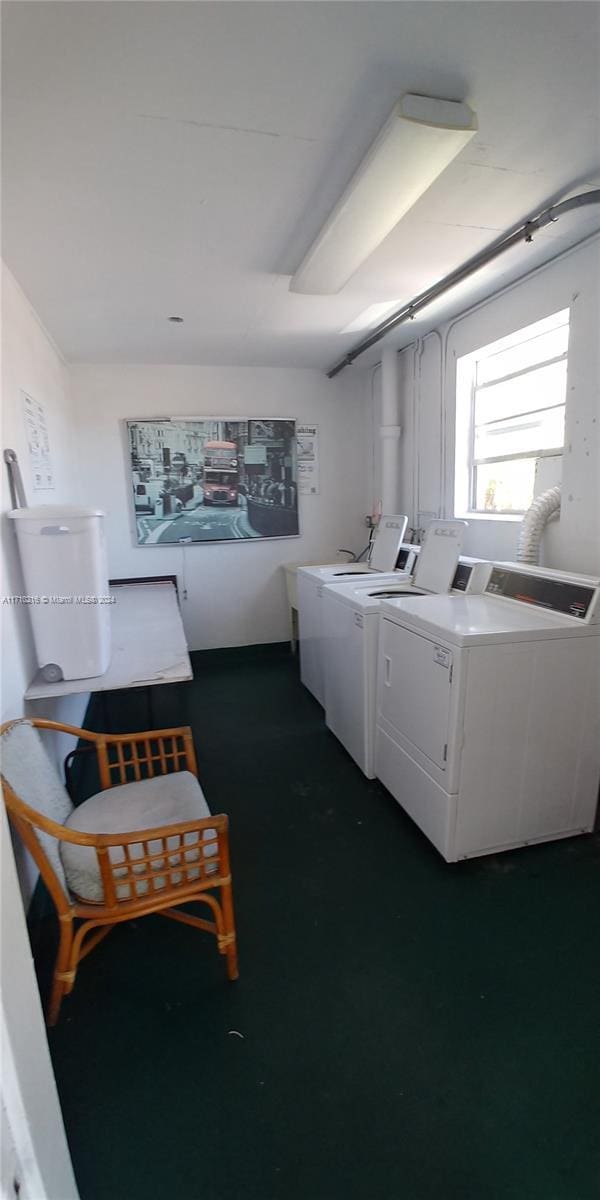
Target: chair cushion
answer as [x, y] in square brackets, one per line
[33, 777]
[149, 804]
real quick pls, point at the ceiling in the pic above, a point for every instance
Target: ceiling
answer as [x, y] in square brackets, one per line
[179, 158]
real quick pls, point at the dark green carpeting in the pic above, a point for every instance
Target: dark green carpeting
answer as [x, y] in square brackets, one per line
[409, 1030]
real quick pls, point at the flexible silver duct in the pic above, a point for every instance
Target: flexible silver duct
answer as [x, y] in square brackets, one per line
[534, 523]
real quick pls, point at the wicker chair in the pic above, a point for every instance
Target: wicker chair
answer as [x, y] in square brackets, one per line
[143, 843]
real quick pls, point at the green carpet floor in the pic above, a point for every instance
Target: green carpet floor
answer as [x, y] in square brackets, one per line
[401, 1029]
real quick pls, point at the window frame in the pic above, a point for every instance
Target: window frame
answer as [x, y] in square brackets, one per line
[472, 464]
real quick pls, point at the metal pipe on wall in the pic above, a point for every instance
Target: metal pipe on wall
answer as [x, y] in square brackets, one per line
[523, 233]
[389, 431]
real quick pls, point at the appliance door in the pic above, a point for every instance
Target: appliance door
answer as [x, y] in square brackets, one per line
[387, 542]
[415, 685]
[438, 559]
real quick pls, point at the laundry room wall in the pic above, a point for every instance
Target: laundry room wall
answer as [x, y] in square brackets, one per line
[31, 363]
[427, 381]
[236, 591]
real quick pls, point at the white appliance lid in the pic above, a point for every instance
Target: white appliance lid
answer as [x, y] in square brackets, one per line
[465, 620]
[331, 570]
[43, 512]
[368, 595]
[372, 581]
[436, 564]
[388, 538]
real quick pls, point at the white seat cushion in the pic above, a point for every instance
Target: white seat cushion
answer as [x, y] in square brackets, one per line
[149, 804]
[33, 777]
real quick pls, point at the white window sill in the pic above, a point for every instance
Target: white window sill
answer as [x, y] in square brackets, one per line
[478, 516]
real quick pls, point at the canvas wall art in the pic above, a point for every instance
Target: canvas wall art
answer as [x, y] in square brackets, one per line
[213, 480]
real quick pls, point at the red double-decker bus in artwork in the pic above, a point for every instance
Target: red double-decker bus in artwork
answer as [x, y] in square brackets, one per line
[221, 472]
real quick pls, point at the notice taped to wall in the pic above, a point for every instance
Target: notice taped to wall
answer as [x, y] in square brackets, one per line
[307, 438]
[36, 429]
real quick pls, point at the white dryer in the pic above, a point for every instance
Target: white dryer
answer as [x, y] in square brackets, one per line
[387, 550]
[496, 744]
[351, 624]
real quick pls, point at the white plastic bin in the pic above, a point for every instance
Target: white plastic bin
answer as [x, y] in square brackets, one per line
[63, 555]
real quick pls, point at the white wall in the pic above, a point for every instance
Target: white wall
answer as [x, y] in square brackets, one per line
[236, 591]
[31, 363]
[428, 394]
[28, 1086]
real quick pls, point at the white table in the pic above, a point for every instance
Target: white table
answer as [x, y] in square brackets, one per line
[148, 645]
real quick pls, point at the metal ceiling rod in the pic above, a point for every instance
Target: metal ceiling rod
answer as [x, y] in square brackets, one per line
[408, 312]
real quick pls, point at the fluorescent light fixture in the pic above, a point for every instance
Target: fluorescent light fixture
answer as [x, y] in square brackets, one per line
[417, 142]
[371, 316]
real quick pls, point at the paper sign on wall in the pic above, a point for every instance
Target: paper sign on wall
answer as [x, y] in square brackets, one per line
[307, 438]
[36, 429]
[255, 456]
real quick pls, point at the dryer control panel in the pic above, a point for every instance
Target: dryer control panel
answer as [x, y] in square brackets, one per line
[406, 557]
[471, 575]
[556, 591]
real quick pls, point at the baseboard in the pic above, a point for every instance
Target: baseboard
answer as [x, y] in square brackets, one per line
[255, 650]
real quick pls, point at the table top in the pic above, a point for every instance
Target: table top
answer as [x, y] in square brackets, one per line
[148, 645]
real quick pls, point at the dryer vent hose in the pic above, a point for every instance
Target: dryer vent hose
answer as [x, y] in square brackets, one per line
[534, 523]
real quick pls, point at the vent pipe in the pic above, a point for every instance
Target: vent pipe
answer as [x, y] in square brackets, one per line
[389, 431]
[534, 522]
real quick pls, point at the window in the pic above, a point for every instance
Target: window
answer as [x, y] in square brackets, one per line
[510, 412]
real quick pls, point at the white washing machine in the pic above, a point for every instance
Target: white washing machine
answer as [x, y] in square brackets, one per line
[387, 549]
[350, 640]
[496, 744]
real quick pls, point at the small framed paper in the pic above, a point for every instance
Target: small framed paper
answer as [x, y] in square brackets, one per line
[307, 437]
[38, 442]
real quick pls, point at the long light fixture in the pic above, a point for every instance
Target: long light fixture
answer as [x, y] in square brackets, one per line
[418, 141]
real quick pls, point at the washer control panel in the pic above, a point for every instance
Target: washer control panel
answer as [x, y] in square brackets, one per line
[557, 592]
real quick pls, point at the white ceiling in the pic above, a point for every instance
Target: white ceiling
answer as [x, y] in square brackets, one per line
[178, 158]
